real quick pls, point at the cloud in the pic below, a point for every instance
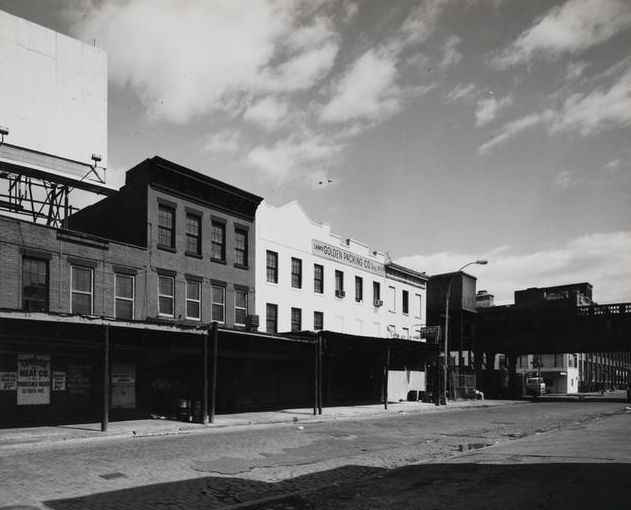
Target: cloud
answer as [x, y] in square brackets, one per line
[568, 29]
[488, 108]
[462, 91]
[614, 164]
[227, 141]
[566, 179]
[294, 159]
[268, 113]
[451, 54]
[575, 70]
[512, 129]
[420, 24]
[368, 90]
[579, 260]
[186, 58]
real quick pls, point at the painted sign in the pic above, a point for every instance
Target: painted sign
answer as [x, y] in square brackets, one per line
[78, 379]
[33, 380]
[59, 381]
[8, 381]
[348, 258]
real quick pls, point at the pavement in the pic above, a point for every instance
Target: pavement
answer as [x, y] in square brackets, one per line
[17, 437]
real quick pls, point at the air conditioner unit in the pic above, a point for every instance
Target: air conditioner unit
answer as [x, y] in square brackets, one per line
[378, 303]
[340, 293]
[252, 322]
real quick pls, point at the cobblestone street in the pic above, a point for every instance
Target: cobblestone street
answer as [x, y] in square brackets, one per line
[226, 467]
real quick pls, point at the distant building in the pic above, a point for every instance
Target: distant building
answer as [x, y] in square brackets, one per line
[483, 299]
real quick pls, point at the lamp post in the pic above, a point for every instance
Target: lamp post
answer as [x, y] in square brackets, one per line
[446, 340]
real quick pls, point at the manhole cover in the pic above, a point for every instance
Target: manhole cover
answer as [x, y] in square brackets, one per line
[111, 476]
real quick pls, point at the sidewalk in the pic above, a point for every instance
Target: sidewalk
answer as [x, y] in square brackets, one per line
[25, 436]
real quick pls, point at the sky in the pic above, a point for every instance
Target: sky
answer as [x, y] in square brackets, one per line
[438, 131]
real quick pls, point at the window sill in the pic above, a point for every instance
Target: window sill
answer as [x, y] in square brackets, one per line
[218, 261]
[241, 266]
[166, 248]
[193, 254]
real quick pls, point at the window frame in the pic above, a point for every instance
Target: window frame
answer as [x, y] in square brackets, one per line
[170, 296]
[405, 302]
[242, 251]
[376, 292]
[268, 308]
[118, 298]
[317, 314]
[73, 291]
[197, 236]
[418, 300]
[46, 263]
[339, 282]
[161, 228]
[188, 299]
[318, 279]
[221, 225]
[296, 324]
[392, 299]
[245, 313]
[213, 303]
[296, 273]
[268, 268]
[359, 289]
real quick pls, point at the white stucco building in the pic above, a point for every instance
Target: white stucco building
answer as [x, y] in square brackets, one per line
[308, 278]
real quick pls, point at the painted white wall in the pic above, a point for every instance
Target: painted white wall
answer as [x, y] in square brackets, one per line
[288, 231]
[53, 91]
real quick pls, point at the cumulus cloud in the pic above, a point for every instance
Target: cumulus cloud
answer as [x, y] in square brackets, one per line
[614, 164]
[268, 113]
[488, 108]
[462, 91]
[295, 158]
[227, 141]
[367, 91]
[186, 58]
[568, 29]
[579, 260]
[451, 53]
[420, 24]
[512, 129]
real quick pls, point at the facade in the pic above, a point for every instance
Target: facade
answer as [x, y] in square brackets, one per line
[483, 299]
[199, 236]
[308, 278]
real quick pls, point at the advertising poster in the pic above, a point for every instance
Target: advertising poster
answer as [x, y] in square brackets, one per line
[8, 381]
[33, 380]
[59, 381]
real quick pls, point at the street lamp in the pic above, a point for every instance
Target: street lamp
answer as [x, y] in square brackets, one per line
[482, 262]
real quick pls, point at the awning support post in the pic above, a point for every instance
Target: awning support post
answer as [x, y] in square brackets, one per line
[205, 389]
[386, 369]
[106, 380]
[213, 391]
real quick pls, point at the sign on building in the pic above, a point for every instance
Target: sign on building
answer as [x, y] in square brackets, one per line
[33, 380]
[346, 257]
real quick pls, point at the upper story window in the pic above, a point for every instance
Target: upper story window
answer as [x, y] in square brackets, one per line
[359, 289]
[218, 305]
[193, 234]
[240, 247]
[218, 241]
[124, 296]
[418, 306]
[35, 286]
[296, 319]
[376, 294]
[318, 278]
[194, 300]
[271, 258]
[318, 321]
[339, 283]
[82, 290]
[296, 273]
[405, 302]
[271, 318]
[392, 299]
[166, 226]
[240, 306]
[166, 296]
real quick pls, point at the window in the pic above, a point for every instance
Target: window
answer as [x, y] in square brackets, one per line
[418, 306]
[218, 241]
[296, 319]
[240, 306]
[318, 321]
[392, 299]
[166, 296]
[339, 283]
[296, 273]
[218, 303]
[124, 296]
[166, 226]
[376, 293]
[359, 289]
[271, 318]
[34, 285]
[318, 278]
[82, 290]
[193, 234]
[405, 302]
[193, 300]
[272, 266]
[240, 247]
[405, 332]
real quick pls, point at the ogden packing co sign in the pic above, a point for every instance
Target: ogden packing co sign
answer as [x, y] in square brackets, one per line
[330, 252]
